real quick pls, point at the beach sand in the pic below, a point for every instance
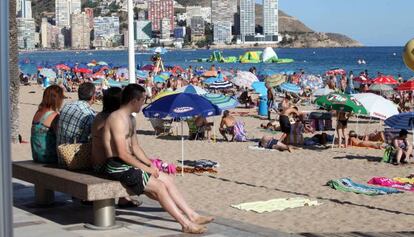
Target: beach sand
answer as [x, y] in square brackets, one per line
[248, 175]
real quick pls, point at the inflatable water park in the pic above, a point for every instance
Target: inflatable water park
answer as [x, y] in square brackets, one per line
[268, 55]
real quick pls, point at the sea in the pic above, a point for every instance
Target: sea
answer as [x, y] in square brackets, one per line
[387, 60]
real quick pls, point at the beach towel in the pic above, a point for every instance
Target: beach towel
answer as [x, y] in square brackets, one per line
[239, 132]
[347, 185]
[404, 180]
[203, 163]
[386, 182]
[257, 148]
[279, 204]
[196, 170]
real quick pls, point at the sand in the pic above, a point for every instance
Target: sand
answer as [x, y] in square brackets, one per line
[248, 175]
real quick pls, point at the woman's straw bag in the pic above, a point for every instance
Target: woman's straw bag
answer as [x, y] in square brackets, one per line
[75, 156]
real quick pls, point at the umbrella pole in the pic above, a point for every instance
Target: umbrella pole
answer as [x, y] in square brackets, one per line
[333, 141]
[357, 123]
[214, 129]
[182, 149]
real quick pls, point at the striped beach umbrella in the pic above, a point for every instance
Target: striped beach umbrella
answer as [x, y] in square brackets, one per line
[190, 89]
[222, 101]
[222, 85]
[289, 87]
[406, 86]
[386, 80]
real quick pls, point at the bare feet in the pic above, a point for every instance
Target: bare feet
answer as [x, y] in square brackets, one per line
[194, 229]
[201, 220]
[289, 149]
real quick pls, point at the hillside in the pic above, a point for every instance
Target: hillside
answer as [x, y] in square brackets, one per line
[294, 32]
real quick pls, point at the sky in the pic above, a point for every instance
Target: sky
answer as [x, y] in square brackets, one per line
[371, 22]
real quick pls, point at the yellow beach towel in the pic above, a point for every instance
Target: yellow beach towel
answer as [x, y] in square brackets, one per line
[279, 204]
[404, 180]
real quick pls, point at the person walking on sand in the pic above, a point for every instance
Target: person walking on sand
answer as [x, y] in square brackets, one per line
[341, 126]
[127, 162]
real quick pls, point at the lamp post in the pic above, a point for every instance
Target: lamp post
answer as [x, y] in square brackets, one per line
[6, 202]
[131, 45]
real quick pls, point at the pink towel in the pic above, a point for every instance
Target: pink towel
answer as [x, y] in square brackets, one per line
[386, 182]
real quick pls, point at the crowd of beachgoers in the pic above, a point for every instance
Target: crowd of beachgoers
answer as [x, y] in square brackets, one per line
[290, 113]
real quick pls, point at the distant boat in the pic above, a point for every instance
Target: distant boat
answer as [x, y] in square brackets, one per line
[359, 61]
[363, 61]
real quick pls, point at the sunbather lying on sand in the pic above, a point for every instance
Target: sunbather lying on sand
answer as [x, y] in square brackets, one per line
[355, 141]
[270, 142]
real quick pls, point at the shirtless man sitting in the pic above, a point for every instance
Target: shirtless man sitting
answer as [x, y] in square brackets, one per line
[227, 125]
[127, 162]
[202, 123]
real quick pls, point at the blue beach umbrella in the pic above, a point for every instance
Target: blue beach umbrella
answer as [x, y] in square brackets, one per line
[260, 88]
[181, 106]
[159, 79]
[289, 87]
[402, 121]
[47, 72]
[212, 80]
[112, 83]
[28, 68]
[222, 101]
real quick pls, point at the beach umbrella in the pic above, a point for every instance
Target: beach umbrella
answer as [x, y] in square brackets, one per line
[111, 83]
[164, 93]
[141, 74]
[335, 71]
[98, 75]
[28, 68]
[386, 80]
[380, 87]
[47, 72]
[102, 63]
[402, 121]
[220, 85]
[212, 80]
[323, 91]
[260, 88]
[222, 101]
[181, 106]
[244, 79]
[192, 90]
[343, 102]
[377, 106]
[311, 82]
[148, 67]
[83, 70]
[91, 64]
[160, 50]
[290, 87]
[406, 86]
[62, 67]
[122, 71]
[275, 80]
[159, 79]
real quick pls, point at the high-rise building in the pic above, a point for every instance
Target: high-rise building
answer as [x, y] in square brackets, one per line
[197, 26]
[204, 12]
[270, 20]
[159, 10]
[222, 32]
[63, 10]
[247, 19]
[223, 12]
[143, 31]
[165, 28]
[24, 9]
[106, 27]
[80, 31]
[51, 36]
[26, 29]
[89, 13]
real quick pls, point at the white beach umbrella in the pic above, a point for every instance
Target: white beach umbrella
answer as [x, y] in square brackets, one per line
[377, 106]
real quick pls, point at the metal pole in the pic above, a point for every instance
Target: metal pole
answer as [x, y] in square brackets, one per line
[131, 45]
[6, 202]
[182, 148]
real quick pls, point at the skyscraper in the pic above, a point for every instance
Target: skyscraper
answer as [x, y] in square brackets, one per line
[80, 31]
[247, 19]
[270, 20]
[26, 33]
[106, 27]
[24, 9]
[222, 15]
[63, 9]
[159, 10]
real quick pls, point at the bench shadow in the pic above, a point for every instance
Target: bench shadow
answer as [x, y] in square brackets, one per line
[146, 224]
